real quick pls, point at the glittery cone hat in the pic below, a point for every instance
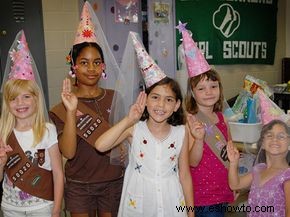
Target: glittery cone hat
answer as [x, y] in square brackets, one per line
[149, 69]
[86, 28]
[195, 61]
[269, 110]
[21, 62]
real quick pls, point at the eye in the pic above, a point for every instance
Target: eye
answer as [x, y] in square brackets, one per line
[214, 86]
[83, 63]
[170, 100]
[269, 136]
[282, 136]
[27, 96]
[98, 63]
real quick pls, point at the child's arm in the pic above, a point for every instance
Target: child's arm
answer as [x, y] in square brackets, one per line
[3, 159]
[287, 197]
[122, 130]
[58, 179]
[196, 137]
[184, 174]
[68, 139]
[236, 182]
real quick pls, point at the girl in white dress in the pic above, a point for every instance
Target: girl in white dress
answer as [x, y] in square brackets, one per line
[157, 180]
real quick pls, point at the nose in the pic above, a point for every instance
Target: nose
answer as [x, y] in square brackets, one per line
[18, 101]
[91, 67]
[161, 103]
[208, 91]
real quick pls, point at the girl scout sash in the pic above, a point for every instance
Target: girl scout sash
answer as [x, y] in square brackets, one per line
[25, 175]
[90, 125]
[215, 139]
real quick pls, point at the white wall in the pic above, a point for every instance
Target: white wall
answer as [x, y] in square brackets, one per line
[60, 18]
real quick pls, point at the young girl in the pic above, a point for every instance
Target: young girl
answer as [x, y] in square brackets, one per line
[269, 180]
[204, 103]
[210, 134]
[92, 183]
[29, 188]
[157, 178]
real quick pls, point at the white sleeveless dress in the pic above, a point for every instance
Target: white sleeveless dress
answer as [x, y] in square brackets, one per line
[151, 185]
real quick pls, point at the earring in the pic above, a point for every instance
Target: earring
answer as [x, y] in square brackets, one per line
[104, 75]
[72, 72]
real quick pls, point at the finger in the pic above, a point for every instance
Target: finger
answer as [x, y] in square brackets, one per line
[64, 85]
[142, 98]
[68, 85]
[138, 100]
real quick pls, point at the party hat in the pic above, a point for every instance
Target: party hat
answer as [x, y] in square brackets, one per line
[149, 69]
[195, 61]
[269, 110]
[86, 28]
[21, 67]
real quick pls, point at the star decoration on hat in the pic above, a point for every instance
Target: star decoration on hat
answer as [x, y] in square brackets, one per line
[87, 33]
[181, 26]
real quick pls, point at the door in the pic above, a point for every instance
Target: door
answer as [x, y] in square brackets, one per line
[27, 15]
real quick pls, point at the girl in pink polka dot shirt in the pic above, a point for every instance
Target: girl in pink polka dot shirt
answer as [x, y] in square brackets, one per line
[210, 134]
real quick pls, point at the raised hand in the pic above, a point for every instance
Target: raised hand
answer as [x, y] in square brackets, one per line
[196, 127]
[233, 153]
[3, 157]
[69, 99]
[3, 150]
[137, 109]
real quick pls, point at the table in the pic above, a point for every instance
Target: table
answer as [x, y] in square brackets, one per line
[282, 100]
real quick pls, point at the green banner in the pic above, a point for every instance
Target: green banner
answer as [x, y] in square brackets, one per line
[231, 31]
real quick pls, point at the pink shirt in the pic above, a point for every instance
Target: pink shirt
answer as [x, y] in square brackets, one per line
[271, 193]
[210, 177]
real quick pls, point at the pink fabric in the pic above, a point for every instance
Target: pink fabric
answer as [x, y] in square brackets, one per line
[210, 177]
[270, 193]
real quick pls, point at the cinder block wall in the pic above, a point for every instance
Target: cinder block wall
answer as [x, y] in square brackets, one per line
[60, 18]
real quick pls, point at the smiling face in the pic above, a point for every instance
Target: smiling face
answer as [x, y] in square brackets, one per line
[23, 106]
[161, 103]
[206, 93]
[89, 66]
[276, 141]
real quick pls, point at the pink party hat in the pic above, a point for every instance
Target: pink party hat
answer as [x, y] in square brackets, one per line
[195, 61]
[86, 29]
[21, 61]
[149, 69]
[269, 110]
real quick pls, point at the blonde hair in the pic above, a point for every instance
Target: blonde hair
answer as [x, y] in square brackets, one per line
[12, 88]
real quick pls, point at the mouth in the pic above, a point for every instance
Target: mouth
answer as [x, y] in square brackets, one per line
[275, 146]
[92, 76]
[22, 109]
[159, 112]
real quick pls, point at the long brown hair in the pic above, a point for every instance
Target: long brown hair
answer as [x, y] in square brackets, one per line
[190, 103]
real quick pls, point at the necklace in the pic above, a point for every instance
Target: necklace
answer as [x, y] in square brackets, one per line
[95, 102]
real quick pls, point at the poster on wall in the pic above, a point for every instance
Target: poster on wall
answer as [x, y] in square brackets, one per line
[126, 11]
[231, 32]
[161, 12]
